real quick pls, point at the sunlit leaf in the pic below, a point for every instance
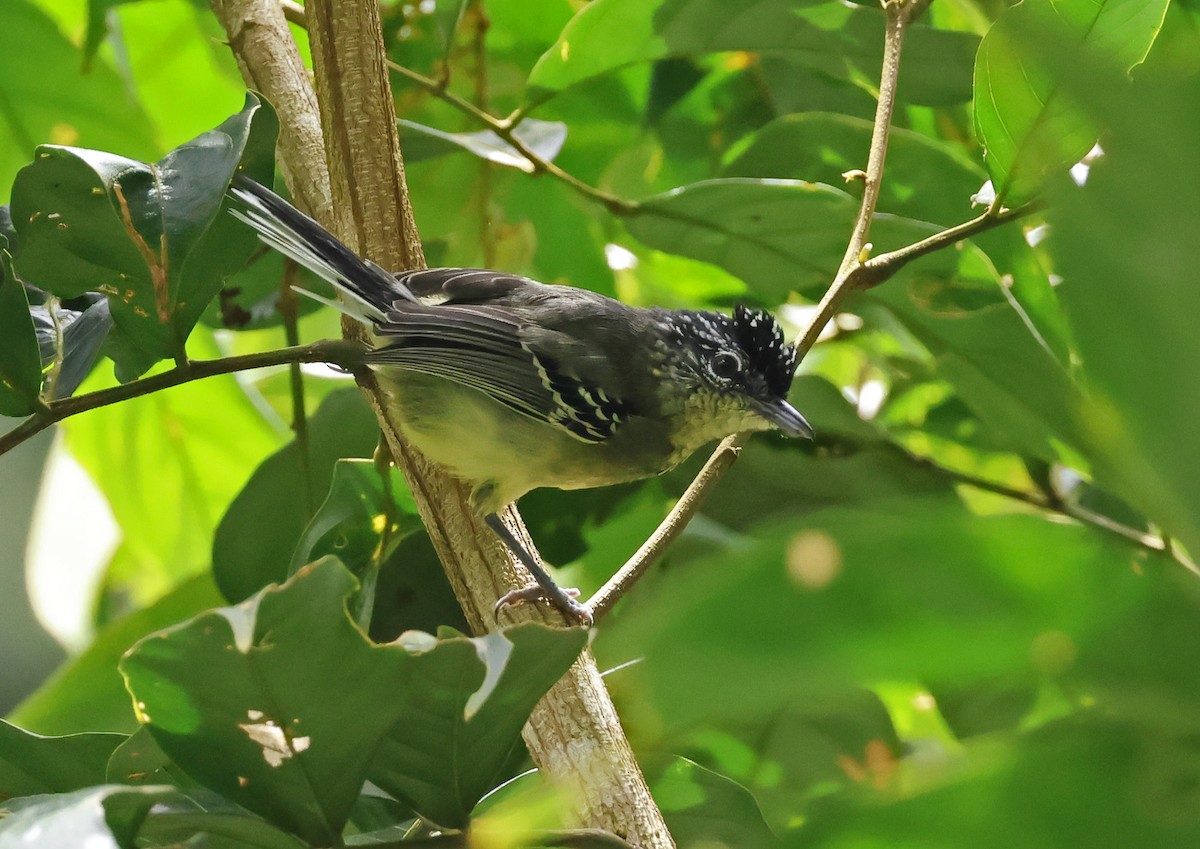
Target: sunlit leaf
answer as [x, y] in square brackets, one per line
[60, 104]
[106, 817]
[1028, 124]
[296, 701]
[836, 39]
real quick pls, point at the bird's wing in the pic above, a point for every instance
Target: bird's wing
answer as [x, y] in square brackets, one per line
[483, 347]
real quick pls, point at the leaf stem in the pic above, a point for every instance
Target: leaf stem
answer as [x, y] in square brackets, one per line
[336, 351]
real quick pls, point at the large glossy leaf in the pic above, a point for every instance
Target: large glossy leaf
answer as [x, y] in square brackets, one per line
[106, 817]
[1028, 124]
[150, 236]
[781, 236]
[20, 368]
[60, 103]
[840, 40]
[248, 553]
[281, 703]
[31, 764]
[926, 180]
[276, 704]
[1127, 261]
[462, 718]
[777, 235]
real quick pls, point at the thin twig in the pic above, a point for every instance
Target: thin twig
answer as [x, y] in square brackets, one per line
[670, 528]
[291, 331]
[878, 269]
[899, 14]
[1050, 503]
[508, 132]
[336, 351]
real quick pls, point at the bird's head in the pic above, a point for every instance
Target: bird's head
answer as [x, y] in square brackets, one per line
[737, 370]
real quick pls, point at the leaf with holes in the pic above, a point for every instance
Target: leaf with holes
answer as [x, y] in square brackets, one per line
[281, 703]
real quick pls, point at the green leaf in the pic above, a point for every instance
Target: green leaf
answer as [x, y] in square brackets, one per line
[702, 806]
[927, 180]
[463, 716]
[1028, 124]
[60, 103]
[248, 553]
[31, 764]
[20, 366]
[781, 236]
[849, 597]
[107, 817]
[148, 236]
[276, 704]
[86, 693]
[280, 703]
[777, 235]
[360, 524]
[169, 467]
[1128, 264]
[1000, 367]
[839, 40]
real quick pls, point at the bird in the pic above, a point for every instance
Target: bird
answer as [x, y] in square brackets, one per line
[513, 385]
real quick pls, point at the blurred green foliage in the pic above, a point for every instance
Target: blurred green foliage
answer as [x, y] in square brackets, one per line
[965, 615]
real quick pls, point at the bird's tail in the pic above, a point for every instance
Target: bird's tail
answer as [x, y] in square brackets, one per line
[370, 291]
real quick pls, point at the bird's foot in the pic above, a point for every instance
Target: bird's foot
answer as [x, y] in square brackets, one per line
[564, 600]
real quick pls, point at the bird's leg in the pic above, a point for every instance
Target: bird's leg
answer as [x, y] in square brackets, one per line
[545, 587]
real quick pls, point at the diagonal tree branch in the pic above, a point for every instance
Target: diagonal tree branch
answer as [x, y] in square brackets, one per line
[336, 351]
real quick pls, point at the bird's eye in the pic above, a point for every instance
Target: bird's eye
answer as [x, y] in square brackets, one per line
[726, 365]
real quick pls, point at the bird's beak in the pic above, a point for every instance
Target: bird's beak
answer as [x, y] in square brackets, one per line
[785, 417]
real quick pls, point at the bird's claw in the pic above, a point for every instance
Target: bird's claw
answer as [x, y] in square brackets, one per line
[564, 601]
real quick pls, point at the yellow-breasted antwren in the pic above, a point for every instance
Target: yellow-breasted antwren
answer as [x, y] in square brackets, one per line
[514, 385]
